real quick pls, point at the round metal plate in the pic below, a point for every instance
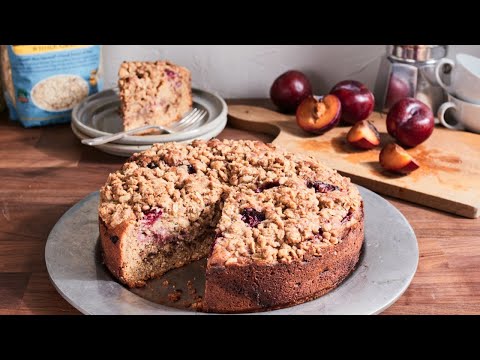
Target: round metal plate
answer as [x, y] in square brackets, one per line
[387, 265]
[98, 115]
[129, 150]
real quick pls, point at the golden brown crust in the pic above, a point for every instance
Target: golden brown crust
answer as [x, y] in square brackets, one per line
[111, 240]
[111, 249]
[257, 287]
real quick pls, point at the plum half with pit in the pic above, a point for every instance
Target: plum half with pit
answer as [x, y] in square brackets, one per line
[319, 116]
[410, 122]
[289, 90]
[364, 135]
[394, 158]
[357, 101]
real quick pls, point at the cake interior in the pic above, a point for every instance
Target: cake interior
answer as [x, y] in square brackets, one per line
[164, 240]
[156, 259]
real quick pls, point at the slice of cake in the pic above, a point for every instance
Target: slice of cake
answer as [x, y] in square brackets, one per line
[153, 93]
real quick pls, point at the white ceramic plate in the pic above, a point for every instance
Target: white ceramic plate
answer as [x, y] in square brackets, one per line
[98, 115]
[387, 265]
[129, 150]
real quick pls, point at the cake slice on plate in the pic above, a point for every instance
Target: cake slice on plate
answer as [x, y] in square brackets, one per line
[153, 93]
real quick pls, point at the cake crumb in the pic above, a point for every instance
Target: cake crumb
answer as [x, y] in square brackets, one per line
[165, 283]
[197, 304]
[175, 296]
[191, 289]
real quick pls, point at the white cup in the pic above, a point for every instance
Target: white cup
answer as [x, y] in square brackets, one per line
[464, 77]
[466, 115]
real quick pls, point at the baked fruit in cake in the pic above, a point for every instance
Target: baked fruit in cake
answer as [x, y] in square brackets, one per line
[278, 228]
[153, 93]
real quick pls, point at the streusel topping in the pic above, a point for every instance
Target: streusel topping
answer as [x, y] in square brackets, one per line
[277, 206]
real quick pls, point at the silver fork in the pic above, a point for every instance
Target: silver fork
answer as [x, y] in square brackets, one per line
[189, 120]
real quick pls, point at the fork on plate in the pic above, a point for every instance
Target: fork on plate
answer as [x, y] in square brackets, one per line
[184, 124]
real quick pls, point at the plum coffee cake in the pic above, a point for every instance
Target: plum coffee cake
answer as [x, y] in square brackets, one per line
[278, 228]
[153, 93]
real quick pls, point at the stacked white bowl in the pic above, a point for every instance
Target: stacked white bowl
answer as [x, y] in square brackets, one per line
[462, 111]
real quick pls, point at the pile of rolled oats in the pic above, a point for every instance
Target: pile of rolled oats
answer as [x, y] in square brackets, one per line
[61, 92]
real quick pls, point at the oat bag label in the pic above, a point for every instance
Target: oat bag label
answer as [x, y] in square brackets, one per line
[42, 83]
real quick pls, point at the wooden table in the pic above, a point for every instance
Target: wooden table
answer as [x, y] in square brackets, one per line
[44, 171]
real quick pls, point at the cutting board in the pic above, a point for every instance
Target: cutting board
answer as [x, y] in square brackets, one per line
[448, 178]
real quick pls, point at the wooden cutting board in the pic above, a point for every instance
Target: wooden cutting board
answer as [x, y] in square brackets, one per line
[448, 178]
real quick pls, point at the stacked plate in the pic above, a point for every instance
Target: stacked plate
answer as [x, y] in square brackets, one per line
[98, 115]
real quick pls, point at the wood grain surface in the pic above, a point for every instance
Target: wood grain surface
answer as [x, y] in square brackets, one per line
[448, 178]
[44, 171]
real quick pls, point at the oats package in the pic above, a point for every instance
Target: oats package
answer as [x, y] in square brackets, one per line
[42, 83]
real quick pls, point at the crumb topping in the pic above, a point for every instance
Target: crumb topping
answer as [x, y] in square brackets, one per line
[267, 204]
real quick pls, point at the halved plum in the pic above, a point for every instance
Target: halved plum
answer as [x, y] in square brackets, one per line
[364, 135]
[319, 116]
[394, 158]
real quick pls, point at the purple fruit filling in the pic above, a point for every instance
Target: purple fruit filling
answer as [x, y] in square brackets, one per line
[162, 238]
[320, 234]
[321, 187]
[152, 165]
[252, 217]
[114, 238]
[267, 185]
[191, 169]
[171, 74]
[347, 217]
[152, 215]
[217, 236]
[159, 238]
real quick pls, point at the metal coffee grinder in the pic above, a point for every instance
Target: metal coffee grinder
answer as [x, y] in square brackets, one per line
[408, 71]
